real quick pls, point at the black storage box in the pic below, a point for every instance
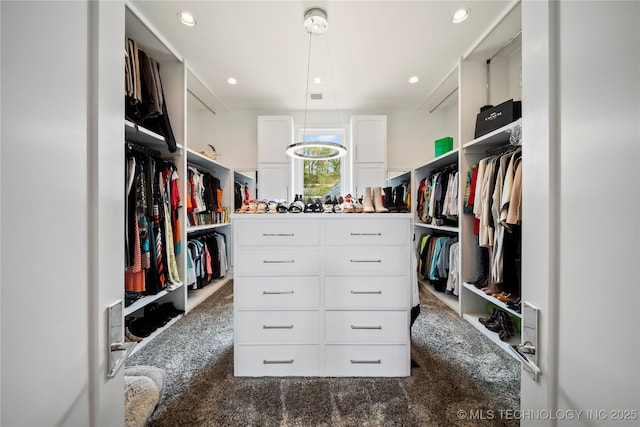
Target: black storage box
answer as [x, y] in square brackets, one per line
[498, 116]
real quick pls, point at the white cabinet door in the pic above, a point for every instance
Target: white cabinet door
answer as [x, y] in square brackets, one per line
[369, 138]
[274, 181]
[275, 134]
[368, 175]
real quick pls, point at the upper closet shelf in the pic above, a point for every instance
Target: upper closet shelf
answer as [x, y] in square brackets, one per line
[205, 162]
[492, 140]
[142, 136]
[446, 159]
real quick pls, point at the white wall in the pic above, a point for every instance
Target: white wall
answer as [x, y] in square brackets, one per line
[45, 292]
[62, 210]
[581, 198]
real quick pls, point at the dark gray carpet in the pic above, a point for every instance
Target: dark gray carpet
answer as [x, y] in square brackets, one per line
[460, 370]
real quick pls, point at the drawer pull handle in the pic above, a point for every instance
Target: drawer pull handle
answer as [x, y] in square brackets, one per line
[287, 261]
[366, 260]
[366, 327]
[277, 326]
[372, 362]
[278, 234]
[366, 234]
[366, 292]
[277, 362]
[277, 292]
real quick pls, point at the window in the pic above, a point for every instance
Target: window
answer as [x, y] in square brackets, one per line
[320, 178]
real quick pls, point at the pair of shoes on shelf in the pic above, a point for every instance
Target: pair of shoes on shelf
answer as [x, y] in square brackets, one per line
[141, 327]
[129, 337]
[131, 297]
[327, 204]
[297, 205]
[281, 207]
[499, 322]
[347, 205]
[262, 207]
[313, 206]
[493, 288]
[272, 207]
[507, 297]
[515, 304]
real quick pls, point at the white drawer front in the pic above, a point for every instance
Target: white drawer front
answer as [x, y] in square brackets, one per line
[277, 261]
[275, 327]
[367, 232]
[359, 292]
[373, 327]
[367, 361]
[371, 261]
[277, 232]
[276, 292]
[277, 360]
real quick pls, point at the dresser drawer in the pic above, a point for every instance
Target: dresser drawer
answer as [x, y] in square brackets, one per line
[359, 292]
[277, 327]
[277, 232]
[276, 292]
[367, 232]
[277, 261]
[355, 327]
[363, 260]
[277, 360]
[367, 361]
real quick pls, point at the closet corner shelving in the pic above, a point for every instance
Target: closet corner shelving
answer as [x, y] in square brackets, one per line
[223, 173]
[489, 74]
[475, 303]
[180, 87]
[421, 172]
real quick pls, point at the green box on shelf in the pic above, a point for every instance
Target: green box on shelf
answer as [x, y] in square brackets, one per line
[443, 145]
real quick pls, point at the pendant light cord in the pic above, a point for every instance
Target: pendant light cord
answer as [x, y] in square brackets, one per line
[306, 97]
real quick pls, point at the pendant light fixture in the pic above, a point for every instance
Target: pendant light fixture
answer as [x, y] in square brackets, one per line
[315, 23]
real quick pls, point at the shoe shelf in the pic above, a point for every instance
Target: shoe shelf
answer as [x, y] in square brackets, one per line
[197, 296]
[144, 301]
[473, 319]
[154, 334]
[450, 300]
[492, 300]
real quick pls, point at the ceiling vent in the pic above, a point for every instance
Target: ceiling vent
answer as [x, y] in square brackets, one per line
[316, 96]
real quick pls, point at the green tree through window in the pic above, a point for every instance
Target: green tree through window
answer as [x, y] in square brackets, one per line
[322, 177]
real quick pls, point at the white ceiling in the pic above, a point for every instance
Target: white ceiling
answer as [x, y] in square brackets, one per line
[365, 58]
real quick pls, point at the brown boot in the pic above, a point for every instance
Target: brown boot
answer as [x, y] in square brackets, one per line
[493, 288]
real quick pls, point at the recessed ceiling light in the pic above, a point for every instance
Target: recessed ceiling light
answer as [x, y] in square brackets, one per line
[414, 79]
[460, 15]
[317, 81]
[187, 19]
[232, 81]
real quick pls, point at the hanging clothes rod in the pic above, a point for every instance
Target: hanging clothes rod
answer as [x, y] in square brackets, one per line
[443, 100]
[142, 149]
[509, 43]
[201, 101]
[503, 149]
